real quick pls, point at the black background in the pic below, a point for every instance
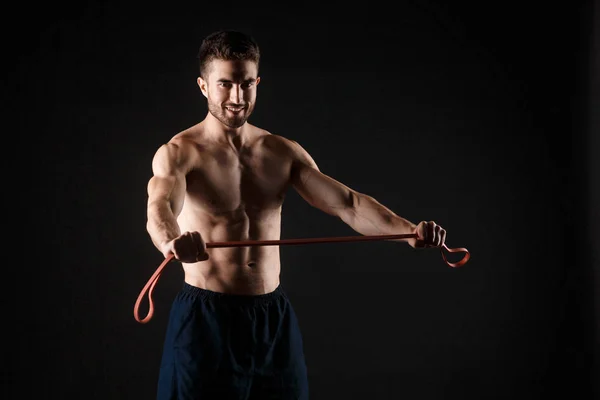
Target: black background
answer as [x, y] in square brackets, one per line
[478, 115]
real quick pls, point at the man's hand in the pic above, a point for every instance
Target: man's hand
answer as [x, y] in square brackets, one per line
[430, 235]
[188, 248]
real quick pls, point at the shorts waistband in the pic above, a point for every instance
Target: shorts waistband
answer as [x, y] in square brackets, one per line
[241, 299]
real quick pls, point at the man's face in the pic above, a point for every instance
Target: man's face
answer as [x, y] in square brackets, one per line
[230, 88]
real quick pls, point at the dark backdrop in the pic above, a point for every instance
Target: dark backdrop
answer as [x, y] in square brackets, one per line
[478, 116]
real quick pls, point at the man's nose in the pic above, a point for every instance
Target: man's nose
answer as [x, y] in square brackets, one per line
[236, 94]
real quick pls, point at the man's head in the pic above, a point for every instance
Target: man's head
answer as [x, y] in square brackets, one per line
[229, 75]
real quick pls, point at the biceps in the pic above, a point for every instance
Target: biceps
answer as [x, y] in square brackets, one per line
[323, 192]
[167, 191]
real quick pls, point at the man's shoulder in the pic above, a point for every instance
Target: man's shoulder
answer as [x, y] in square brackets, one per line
[288, 147]
[187, 135]
[278, 144]
[182, 148]
[268, 138]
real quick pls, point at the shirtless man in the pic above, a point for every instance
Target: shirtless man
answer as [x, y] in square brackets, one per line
[232, 331]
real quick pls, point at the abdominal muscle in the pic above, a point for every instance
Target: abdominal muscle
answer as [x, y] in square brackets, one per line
[249, 270]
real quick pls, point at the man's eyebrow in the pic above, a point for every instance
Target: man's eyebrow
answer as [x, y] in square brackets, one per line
[249, 80]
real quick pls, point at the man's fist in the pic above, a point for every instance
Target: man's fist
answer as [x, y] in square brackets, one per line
[429, 234]
[188, 248]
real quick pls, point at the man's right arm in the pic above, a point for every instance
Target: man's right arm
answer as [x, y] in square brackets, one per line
[166, 194]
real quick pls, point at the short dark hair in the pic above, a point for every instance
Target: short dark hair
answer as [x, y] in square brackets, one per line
[227, 45]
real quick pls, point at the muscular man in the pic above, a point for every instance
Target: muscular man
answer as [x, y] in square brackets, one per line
[232, 332]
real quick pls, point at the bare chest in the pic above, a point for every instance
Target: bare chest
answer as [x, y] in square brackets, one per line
[225, 180]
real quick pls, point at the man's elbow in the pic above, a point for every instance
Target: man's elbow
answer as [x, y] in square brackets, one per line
[349, 205]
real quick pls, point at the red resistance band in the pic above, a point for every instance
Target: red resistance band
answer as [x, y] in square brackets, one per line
[149, 287]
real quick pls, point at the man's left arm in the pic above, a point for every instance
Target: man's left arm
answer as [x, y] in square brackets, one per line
[361, 212]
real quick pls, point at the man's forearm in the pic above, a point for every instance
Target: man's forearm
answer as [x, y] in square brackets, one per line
[369, 217]
[162, 225]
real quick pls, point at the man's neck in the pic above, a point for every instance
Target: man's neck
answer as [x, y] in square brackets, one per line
[219, 131]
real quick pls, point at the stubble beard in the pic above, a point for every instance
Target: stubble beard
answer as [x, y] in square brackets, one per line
[231, 122]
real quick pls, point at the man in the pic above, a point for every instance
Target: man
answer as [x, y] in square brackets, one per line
[232, 332]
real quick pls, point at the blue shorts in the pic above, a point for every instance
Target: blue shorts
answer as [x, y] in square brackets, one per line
[224, 346]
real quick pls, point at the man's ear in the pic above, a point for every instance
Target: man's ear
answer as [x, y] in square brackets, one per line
[257, 80]
[203, 85]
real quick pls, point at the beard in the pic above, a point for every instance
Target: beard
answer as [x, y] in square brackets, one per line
[233, 120]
